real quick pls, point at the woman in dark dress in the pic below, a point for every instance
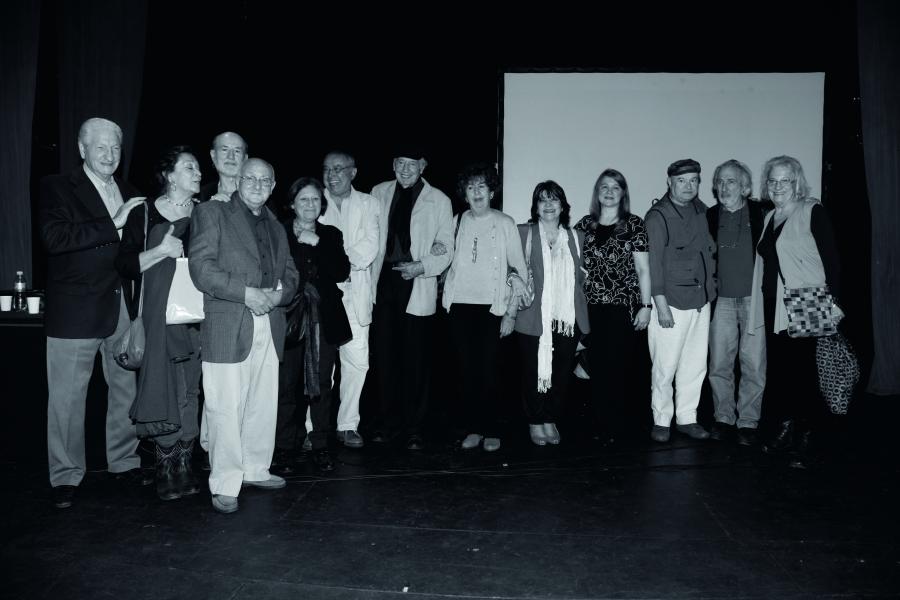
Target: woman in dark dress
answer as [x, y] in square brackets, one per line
[165, 409]
[317, 323]
[617, 288]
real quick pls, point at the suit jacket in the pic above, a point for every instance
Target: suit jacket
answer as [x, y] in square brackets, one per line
[224, 261]
[83, 286]
[431, 221]
[331, 267]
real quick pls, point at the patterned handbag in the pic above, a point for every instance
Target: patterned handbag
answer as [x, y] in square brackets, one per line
[838, 369]
[810, 311]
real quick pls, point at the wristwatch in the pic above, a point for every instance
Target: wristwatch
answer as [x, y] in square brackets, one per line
[650, 306]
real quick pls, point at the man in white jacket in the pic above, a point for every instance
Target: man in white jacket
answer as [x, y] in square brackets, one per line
[415, 246]
[356, 215]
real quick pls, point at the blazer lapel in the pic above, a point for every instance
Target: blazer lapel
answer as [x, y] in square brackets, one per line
[87, 194]
[241, 226]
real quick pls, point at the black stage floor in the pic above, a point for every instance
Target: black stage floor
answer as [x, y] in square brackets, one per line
[679, 520]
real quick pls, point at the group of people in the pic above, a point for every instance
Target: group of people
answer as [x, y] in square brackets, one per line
[287, 299]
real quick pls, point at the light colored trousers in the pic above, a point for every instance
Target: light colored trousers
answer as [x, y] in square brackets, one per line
[679, 354]
[240, 411]
[728, 338]
[354, 366]
[70, 364]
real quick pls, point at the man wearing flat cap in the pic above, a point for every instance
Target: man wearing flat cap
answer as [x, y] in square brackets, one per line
[356, 215]
[681, 280]
[415, 247]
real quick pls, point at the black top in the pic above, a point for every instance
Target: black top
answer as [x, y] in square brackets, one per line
[324, 266]
[400, 214]
[607, 254]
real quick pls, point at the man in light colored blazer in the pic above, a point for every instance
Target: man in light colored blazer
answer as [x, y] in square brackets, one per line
[415, 247]
[241, 262]
[356, 215]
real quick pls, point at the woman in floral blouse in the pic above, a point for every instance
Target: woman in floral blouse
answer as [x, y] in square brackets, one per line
[617, 288]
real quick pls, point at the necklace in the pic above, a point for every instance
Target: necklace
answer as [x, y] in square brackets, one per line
[187, 202]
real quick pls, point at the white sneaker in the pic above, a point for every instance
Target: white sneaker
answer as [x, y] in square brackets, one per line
[472, 441]
[274, 482]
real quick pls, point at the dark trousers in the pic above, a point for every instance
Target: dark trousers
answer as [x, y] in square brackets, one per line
[290, 428]
[402, 344]
[792, 377]
[546, 407]
[610, 351]
[475, 334]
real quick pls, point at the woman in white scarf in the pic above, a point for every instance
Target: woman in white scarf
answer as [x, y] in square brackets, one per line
[549, 329]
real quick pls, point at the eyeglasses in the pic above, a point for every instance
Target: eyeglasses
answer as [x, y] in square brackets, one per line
[777, 183]
[253, 181]
[336, 170]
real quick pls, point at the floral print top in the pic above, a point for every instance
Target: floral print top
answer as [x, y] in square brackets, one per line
[611, 276]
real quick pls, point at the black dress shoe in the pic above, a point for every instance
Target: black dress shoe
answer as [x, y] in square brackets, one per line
[746, 436]
[322, 460]
[721, 431]
[415, 443]
[63, 496]
[379, 437]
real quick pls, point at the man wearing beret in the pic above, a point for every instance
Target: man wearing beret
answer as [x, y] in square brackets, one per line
[415, 247]
[681, 280]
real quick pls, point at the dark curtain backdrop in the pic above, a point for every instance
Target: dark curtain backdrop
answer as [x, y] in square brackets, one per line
[101, 69]
[879, 85]
[19, 24]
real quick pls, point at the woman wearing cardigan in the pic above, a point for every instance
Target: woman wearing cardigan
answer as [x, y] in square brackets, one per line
[797, 249]
[549, 329]
[480, 302]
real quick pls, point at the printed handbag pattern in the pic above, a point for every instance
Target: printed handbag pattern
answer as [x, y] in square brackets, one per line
[838, 371]
[809, 311]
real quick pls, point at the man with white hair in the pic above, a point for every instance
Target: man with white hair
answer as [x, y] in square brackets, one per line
[82, 214]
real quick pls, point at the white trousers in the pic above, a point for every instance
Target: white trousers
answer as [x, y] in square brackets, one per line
[679, 354]
[354, 366]
[240, 410]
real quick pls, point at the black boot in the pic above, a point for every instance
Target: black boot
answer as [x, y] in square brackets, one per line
[184, 469]
[800, 459]
[166, 482]
[782, 440]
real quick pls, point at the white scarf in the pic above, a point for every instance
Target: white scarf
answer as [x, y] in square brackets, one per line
[557, 301]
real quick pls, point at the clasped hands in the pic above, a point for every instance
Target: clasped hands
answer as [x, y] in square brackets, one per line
[261, 301]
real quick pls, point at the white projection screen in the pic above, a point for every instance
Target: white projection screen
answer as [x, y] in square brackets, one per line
[568, 127]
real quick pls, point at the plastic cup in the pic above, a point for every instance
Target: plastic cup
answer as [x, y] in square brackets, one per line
[6, 303]
[34, 304]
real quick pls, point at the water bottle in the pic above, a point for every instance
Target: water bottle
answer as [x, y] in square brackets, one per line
[19, 299]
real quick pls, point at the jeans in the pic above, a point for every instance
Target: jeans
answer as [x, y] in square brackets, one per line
[729, 338]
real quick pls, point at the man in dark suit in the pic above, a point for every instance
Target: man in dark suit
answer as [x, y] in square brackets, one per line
[241, 262]
[228, 153]
[81, 218]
